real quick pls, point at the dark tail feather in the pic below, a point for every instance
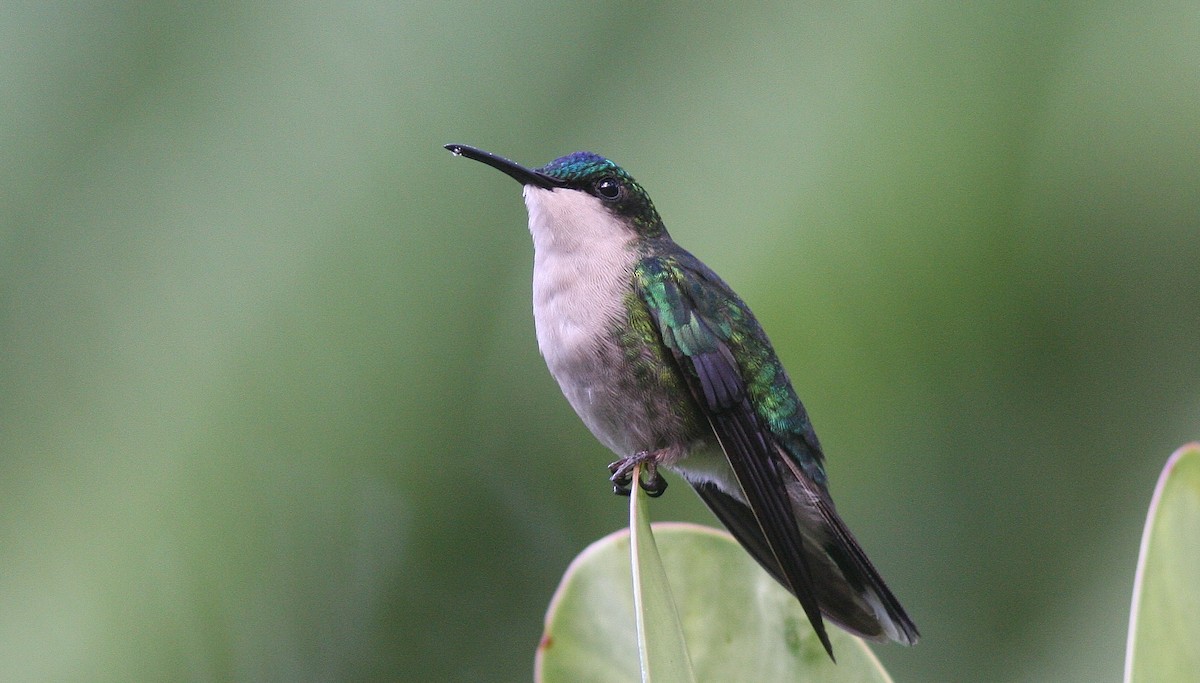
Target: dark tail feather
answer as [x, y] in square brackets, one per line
[858, 570]
[849, 590]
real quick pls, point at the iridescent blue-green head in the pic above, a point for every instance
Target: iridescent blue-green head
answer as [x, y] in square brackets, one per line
[579, 193]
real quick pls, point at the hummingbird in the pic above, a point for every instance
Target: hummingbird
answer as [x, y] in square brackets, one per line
[668, 368]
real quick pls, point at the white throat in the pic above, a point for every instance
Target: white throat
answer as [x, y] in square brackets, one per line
[582, 269]
[565, 221]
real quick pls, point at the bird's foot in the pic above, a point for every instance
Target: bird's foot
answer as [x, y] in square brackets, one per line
[622, 474]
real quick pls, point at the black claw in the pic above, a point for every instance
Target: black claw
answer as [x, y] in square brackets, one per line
[654, 485]
[622, 475]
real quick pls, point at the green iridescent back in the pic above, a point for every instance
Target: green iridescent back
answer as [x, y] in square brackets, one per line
[697, 313]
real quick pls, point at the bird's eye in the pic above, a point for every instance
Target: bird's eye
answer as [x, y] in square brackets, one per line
[608, 188]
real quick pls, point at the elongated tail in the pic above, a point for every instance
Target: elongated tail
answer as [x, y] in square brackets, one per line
[849, 590]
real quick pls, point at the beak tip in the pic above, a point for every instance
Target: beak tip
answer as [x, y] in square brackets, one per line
[521, 174]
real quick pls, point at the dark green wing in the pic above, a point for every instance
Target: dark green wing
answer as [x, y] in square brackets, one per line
[703, 323]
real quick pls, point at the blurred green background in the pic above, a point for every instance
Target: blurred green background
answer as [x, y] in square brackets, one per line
[272, 407]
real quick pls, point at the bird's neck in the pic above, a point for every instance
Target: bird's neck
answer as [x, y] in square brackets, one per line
[582, 270]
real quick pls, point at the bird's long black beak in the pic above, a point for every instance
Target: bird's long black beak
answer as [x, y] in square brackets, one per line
[522, 175]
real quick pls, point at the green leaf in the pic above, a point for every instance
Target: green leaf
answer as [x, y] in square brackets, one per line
[1164, 622]
[740, 625]
[661, 647]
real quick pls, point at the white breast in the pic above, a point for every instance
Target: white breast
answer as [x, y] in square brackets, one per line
[583, 262]
[581, 269]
